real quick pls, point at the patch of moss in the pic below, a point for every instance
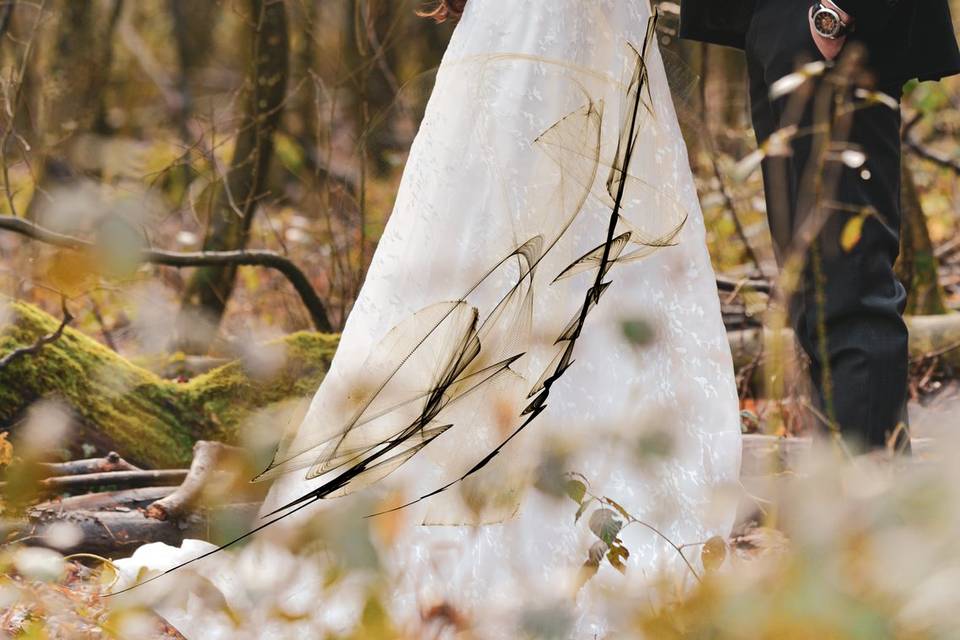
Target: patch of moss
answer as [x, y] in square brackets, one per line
[148, 419]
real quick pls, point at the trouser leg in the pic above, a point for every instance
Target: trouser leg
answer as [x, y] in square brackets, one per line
[847, 311]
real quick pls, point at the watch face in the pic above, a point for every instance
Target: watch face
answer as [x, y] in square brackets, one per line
[826, 22]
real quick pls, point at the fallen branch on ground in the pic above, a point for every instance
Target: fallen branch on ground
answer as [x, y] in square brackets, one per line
[105, 501]
[929, 336]
[116, 523]
[110, 462]
[124, 479]
[208, 457]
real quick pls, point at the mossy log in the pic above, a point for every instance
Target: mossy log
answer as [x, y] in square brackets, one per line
[151, 421]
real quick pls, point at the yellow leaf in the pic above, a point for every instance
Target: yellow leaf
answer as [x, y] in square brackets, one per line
[713, 554]
[852, 232]
[6, 450]
[72, 272]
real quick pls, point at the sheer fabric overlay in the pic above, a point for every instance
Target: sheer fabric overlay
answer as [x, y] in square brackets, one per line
[470, 338]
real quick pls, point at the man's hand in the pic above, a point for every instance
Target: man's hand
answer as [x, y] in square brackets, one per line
[830, 49]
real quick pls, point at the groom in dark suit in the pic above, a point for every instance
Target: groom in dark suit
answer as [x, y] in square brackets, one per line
[849, 295]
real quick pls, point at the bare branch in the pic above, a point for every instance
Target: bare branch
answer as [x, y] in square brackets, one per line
[931, 155]
[208, 456]
[246, 258]
[35, 348]
[104, 501]
[734, 285]
[126, 479]
[111, 462]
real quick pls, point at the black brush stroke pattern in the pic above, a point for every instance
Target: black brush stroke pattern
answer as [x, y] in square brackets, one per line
[463, 371]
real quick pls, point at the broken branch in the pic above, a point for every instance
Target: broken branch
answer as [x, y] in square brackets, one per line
[207, 457]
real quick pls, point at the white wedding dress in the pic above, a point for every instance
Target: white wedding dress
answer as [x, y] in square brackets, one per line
[469, 338]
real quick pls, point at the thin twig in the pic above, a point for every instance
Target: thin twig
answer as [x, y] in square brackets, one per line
[35, 348]
[939, 352]
[732, 207]
[733, 285]
[107, 334]
[933, 156]
[914, 145]
[633, 520]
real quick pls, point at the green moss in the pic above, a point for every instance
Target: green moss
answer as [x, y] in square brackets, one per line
[146, 418]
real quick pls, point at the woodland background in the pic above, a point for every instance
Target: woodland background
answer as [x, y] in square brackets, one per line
[192, 191]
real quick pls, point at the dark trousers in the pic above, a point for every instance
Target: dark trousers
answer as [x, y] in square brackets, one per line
[847, 311]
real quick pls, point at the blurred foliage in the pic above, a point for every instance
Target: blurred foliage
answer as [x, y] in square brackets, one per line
[862, 549]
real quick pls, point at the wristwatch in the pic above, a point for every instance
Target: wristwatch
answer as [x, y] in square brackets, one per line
[828, 22]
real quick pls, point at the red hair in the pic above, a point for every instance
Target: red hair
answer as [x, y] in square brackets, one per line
[445, 10]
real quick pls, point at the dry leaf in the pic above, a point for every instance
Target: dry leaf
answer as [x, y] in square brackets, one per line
[714, 553]
[852, 232]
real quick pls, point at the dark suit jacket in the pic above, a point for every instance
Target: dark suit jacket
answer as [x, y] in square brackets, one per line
[915, 35]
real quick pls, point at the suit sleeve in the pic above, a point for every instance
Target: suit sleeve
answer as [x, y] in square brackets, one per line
[870, 15]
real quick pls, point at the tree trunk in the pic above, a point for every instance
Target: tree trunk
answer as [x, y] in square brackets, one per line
[151, 421]
[371, 58]
[76, 67]
[208, 291]
[192, 24]
[917, 267]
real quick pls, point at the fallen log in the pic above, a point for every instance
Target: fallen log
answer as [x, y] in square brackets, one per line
[930, 336]
[115, 523]
[153, 421]
[124, 479]
[119, 533]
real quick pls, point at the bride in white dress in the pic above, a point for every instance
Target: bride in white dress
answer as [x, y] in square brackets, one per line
[478, 359]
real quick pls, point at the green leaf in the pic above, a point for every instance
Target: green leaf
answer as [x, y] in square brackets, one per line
[576, 490]
[638, 332]
[581, 510]
[605, 525]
